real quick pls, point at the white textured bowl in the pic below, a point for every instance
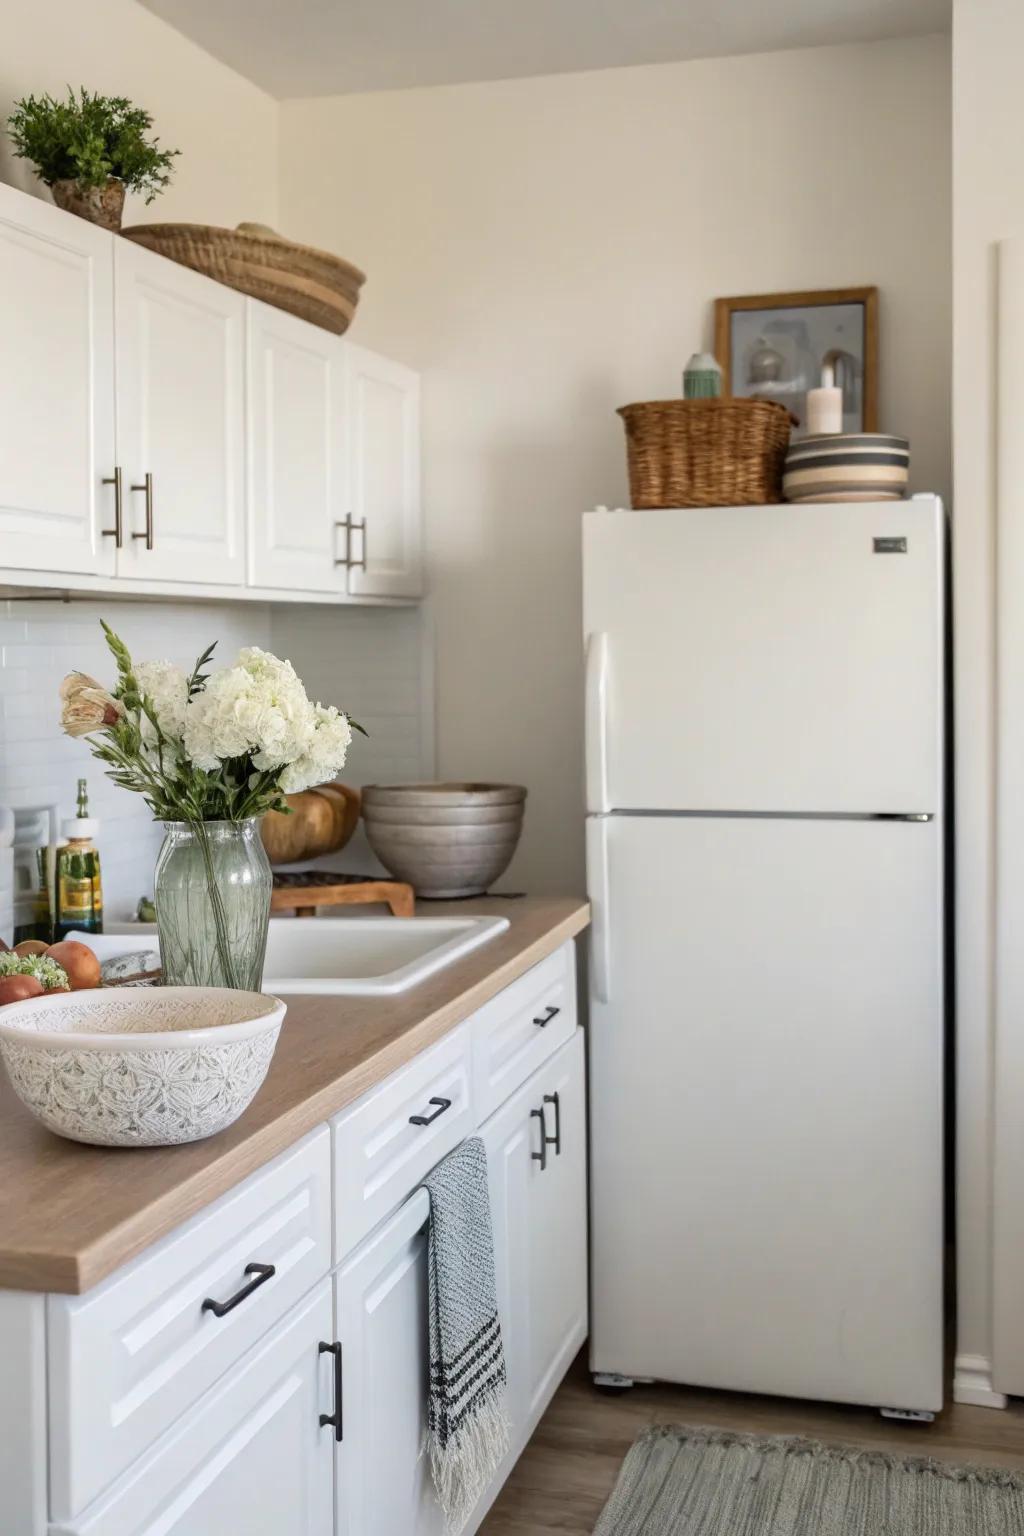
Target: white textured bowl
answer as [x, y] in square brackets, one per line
[139, 1067]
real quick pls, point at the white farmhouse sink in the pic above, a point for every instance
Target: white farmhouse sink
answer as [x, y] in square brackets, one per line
[368, 955]
[357, 956]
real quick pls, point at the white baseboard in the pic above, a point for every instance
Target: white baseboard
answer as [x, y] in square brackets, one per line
[972, 1382]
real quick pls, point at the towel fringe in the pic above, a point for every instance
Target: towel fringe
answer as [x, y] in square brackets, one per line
[464, 1467]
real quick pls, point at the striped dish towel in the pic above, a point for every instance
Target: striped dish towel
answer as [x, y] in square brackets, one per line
[468, 1428]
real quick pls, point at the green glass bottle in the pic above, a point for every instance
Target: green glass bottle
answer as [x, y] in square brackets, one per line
[79, 886]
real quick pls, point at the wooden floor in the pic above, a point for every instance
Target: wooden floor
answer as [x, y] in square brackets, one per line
[567, 1471]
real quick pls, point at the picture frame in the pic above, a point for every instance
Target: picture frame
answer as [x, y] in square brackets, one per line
[772, 346]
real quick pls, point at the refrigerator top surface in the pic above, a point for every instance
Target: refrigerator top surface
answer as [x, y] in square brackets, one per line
[785, 659]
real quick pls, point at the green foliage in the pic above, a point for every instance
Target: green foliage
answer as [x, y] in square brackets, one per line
[89, 139]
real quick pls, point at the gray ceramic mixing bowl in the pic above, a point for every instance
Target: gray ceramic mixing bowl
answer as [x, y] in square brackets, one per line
[444, 839]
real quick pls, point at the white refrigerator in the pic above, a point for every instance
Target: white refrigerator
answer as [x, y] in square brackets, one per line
[765, 732]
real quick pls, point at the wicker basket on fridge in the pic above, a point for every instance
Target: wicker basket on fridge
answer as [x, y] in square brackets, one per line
[705, 453]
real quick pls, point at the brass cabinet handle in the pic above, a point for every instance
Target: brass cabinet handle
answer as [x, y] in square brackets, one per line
[346, 524]
[147, 487]
[117, 532]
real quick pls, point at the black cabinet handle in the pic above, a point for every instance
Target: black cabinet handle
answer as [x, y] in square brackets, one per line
[541, 1156]
[442, 1104]
[549, 1013]
[334, 1419]
[556, 1139]
[261, 1272]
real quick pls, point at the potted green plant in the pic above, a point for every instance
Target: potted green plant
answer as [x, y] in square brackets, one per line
[90, 150]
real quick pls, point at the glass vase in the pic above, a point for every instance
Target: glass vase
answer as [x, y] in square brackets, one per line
[212, 890]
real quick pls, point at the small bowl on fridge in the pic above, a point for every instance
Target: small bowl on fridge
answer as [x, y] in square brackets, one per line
[140, 1067]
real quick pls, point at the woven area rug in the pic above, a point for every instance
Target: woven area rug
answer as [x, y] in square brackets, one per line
[679, 1481]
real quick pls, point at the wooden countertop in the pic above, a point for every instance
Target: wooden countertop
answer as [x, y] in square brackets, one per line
[70, 1214]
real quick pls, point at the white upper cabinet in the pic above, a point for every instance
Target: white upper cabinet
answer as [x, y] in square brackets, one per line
[296, 453]
[159, 428]
[383, 407]
[56, 390]
[180, 421]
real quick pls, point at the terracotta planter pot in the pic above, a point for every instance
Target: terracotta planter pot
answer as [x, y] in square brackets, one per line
[100, 205]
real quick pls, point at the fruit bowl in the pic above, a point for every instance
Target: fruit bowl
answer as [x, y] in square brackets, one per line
[145, 1067]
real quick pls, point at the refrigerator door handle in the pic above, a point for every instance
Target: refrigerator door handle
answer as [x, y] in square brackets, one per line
[596, 724]
[600, 927]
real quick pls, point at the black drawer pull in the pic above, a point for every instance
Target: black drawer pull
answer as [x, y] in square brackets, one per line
[442, 1105]
[556, 1139]
[546, 1017]
[334, 1419]
[261, 1273]
[541, 1156]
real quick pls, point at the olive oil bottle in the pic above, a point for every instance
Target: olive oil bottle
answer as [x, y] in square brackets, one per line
[79, 888]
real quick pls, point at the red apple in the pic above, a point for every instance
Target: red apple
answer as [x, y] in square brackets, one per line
[14, 989]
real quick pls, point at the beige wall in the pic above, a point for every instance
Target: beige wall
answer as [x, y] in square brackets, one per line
[546, 250]
[225, 127]
[988, 43]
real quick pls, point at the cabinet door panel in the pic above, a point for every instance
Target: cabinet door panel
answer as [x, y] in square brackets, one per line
[384, 1481]
[511, 1137]
[252, 1457]
[539, 1215]
[180, 418]
[557, 1250]
[296, 452]
[57, 392]
[382, 401]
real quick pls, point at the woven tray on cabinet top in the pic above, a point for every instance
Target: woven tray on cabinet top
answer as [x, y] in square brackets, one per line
[306, 282]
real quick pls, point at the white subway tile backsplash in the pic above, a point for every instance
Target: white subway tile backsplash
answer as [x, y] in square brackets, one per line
[370, 662]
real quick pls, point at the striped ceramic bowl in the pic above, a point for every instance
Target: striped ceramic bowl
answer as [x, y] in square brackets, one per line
[847, 466]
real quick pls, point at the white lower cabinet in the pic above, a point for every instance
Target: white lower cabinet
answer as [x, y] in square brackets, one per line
[229, 1379]
[536, 1155]
[384, 1482]
[538, 1214]
[253, 1457]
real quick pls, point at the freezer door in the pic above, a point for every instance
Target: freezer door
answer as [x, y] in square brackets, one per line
[766, 1048]
[781, 658]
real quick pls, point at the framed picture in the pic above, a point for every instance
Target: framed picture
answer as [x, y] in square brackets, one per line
[774, 346]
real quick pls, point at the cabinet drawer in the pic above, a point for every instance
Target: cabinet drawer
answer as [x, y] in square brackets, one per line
[390, 1138]
[131, 1356]
[518, 1030]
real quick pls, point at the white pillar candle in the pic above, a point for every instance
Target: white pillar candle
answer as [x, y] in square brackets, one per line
[824, 410]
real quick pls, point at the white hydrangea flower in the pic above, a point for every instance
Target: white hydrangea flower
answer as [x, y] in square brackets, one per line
[326, 754]
[167, 688]
[260, 707]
